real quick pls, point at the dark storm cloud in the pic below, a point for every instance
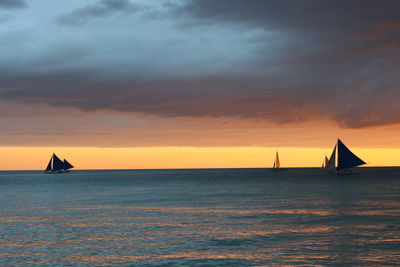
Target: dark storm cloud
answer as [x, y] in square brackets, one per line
[350, 47]
[268, 98]
[100, 9]
[371, 22]
[331, 60]
[9, 4]
[300, 15]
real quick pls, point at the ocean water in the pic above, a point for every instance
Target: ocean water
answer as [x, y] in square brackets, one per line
[222, 217]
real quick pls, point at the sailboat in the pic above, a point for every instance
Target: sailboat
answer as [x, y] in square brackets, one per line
[56, 165]
[325, 162]
[342, 159]
[277, 164]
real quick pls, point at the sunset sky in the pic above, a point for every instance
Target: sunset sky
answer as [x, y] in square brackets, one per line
[198, 83]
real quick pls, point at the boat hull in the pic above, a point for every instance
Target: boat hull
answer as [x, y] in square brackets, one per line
[278, 169]
[57, 172]
[341, 172]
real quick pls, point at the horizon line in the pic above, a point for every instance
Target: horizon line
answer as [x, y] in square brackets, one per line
[217, 168]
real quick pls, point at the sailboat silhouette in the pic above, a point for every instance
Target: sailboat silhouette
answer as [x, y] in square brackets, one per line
[56, 165]
[342, 159]
[325, 162]
[277, 164]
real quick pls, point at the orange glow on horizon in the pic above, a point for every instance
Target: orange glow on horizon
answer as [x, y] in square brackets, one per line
[36, 158]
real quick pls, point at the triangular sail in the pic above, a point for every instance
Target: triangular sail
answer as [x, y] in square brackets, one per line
[332, 160]
[277, 164]
[346, 158]
[67, 165]
[49, 165]
[326, 161]
[58, 165]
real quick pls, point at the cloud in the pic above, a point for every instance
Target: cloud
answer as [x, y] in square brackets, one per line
[102, 8]
[368, 101]
[274, 61]
[11, 4]
[336, 21]
[5, 18]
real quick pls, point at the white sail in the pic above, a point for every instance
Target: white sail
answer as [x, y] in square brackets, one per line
[277, 164]
[325, 162]
[332, 160]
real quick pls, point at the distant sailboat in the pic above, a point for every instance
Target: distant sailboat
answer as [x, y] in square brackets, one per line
[277, 164]
[342, 159]
[56, 165]
[325, 162]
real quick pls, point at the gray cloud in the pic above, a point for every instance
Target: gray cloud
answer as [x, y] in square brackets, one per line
[269, 60]
[311, 15]
[355, 23]
[5, 18]
[10, 4]
[102, 8]
[366, 100]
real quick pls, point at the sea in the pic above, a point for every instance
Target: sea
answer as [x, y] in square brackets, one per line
[200, 217]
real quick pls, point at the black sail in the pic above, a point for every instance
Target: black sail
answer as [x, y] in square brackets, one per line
[49, 165]
[346, 158]
[67, 165]
[58, 165]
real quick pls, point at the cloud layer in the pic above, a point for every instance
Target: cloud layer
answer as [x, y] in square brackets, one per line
[102, 8]
[10, 4]
[278, 61]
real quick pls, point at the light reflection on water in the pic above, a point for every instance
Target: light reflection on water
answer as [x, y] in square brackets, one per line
[247, 217]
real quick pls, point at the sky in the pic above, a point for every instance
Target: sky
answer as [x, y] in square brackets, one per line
[224, 83]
